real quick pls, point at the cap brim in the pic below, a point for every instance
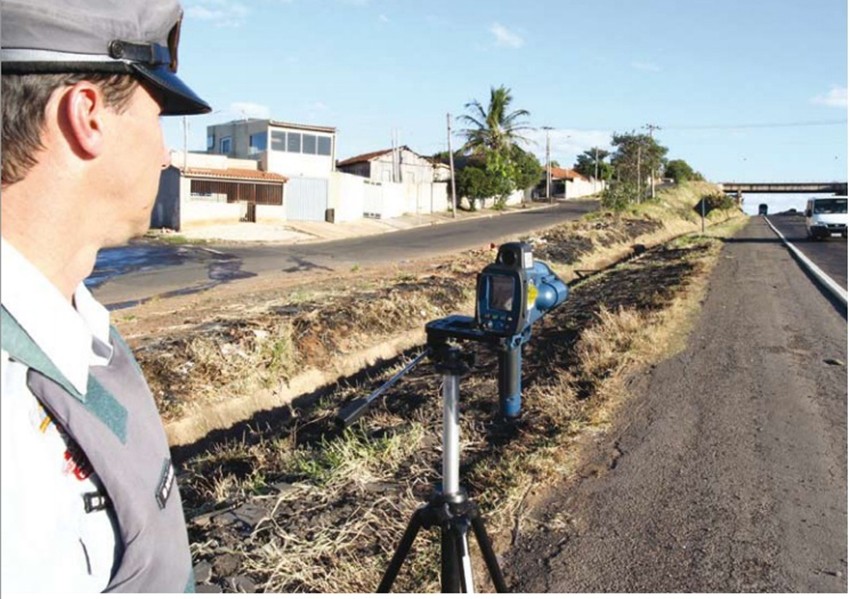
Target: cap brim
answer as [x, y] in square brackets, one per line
[176, 97]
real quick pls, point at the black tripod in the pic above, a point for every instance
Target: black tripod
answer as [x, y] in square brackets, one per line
[449, 508]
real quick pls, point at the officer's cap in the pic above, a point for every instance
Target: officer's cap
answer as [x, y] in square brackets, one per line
[139, 37]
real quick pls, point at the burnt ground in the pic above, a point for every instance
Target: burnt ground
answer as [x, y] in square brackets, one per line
[269, 504]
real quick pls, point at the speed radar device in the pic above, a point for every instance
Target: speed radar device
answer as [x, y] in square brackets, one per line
[514, 292]
[511, 295]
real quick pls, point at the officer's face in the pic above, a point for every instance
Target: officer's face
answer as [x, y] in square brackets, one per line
[137, 157]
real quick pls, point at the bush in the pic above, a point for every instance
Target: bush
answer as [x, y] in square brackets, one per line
[715, 201]
[619, 196]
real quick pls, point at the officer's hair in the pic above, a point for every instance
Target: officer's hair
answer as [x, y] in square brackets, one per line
[24, 99]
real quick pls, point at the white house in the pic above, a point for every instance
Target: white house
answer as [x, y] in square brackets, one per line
[203, 189]
[398, 165]
[569, 183]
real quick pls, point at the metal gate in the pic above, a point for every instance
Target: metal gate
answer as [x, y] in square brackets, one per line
[373, 199]
[306, 199]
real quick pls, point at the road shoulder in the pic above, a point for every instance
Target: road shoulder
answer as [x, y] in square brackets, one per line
[731, 467]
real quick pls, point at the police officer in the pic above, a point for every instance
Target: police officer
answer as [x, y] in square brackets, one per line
[89, 501]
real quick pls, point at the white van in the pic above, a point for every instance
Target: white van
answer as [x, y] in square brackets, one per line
[826, 217]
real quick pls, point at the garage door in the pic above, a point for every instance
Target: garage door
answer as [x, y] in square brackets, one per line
[306, 199]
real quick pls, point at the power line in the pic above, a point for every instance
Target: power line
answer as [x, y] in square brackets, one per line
[757, 125]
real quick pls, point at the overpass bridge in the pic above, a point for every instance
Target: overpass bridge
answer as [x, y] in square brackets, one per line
[812, 187]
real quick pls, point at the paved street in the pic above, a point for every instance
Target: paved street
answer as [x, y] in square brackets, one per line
[187, 269]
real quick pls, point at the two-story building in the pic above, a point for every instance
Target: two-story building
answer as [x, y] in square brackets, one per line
[304, 154]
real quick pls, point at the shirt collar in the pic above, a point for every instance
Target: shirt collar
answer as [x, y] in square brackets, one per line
[65, 333]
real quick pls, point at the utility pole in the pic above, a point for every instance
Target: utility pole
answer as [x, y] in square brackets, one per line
[185, 142]
[451, 163]
[548, 170]
[652, 128]
[639, 182]
[596, 170]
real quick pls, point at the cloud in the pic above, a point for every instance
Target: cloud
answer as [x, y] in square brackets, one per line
[383, 18]
[506, 37]
[837, 96]
[646, 66]
[250, 110]
[221, 13]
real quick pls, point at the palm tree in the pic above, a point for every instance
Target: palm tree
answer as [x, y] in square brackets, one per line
[494, 128]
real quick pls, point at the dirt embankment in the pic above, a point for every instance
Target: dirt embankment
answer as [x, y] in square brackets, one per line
[285, 501]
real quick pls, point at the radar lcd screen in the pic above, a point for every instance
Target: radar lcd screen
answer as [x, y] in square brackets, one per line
[501, 293]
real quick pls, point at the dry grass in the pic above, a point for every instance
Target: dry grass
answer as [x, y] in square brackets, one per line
[338, 503]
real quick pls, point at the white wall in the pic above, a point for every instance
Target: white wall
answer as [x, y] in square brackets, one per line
[515, 198]
[582, 187]
[346, 196]
[215, 161]
[352, 196]
[196, 213]
[297, 165]
[271, 214]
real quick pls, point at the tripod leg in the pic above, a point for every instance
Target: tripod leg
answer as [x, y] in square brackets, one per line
[449, 559]
[462, 541]
[401, 552]
[488, 554]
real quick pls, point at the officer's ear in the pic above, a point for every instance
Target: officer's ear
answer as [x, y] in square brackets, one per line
[82, 110]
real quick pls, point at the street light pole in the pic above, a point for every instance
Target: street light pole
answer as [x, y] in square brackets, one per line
[451, 163]
[548, 168]
[652, 128]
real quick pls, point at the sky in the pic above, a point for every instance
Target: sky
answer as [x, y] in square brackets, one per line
[751, 90]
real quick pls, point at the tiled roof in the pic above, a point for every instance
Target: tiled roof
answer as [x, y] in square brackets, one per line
[369, 156]
[565, 173]
[233, 174]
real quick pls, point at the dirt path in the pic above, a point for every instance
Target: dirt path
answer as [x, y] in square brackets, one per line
[731, 459]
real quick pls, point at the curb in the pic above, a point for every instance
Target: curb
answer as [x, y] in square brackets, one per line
[823, 278]
[477, 215]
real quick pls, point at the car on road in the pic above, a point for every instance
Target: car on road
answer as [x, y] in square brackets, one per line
[763, 209]
[826, 217]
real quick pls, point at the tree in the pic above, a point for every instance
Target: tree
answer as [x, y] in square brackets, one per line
[491, 138]
[636, 157]
[680, 171]
[586, 164]
[496, 128]
[528, 170]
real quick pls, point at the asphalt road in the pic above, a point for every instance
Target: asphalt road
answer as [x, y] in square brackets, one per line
[730, 469]
[829, 254]
[183, 270]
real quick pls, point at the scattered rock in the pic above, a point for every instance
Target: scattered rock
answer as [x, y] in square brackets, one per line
[203, 572]
[251, 514]
[242, 584]
[226, 565]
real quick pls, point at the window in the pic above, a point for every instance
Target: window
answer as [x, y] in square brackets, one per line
[324, 146]
[309, 144]
[278, 141]
[296, 143]
[210, 142]
[257, 142]
[224, 148]
[293, 142]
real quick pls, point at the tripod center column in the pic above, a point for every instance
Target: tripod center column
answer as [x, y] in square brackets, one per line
[451, 434]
